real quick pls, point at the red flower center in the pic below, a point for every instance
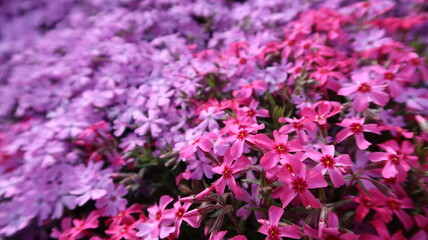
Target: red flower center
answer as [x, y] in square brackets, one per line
[291, 42]
[356, 128]
[180, 212]
[299, 184]
[298, 70]
[364, 88]
[394, 159]
[389, 76]
[274, 233]
[307, 46]
[324, 71]
[243, 61]
[281, 148]
[415, 61]
[327, 161]
[297, 125]
[158, 215]
[393, 204]
[289, 168]
[251, 113]
[227, 172]
[242, 134]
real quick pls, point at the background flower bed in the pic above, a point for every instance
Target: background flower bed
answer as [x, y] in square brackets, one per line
[108, 106]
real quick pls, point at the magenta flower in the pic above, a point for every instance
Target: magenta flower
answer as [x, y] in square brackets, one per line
[227, 169]
[80, 226]
[363, 91]
[272, 229]
[280, 148]
[383, 231]
[118, 232]
[299, 184]
[397, 158]
[395, 205]
[422, 223]
[356, 126]
[329, 163]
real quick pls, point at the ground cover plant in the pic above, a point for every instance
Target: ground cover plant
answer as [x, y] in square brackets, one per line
[200, 119]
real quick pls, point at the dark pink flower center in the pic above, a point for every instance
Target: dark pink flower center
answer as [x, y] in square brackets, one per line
[366, 202]
[227, 172]
[158, 215]
[307, 46]
[251, 113]
[324, 71]
[356, 128]
[281, 148]
[389, 76]
[415, 61]
[299, 184]
[364, 88]
[393, 204]
[274, 233]
[289, 168]
[180, 212]
[394, 159]
[291, 42]
[297, 125]
[327, 161]
[243, 61]
[298, 70]
[242, 134]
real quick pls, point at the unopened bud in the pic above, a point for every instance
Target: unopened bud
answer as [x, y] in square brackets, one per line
[205, 193]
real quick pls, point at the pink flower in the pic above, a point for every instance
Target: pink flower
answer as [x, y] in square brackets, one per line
[280, 148]
[246, 91]
[203, 142]
[239, 135]
[363, 91]
[396, 157]
[118, 232]
[227, 169]
[329, 163]
[251, 112]
[321, 111]
[180, 211]
[159, 221]
[301, 126]
[273, 231]
[298, 184]
[356, 126]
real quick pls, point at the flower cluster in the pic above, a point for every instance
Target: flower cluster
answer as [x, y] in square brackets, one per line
[213, 120]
